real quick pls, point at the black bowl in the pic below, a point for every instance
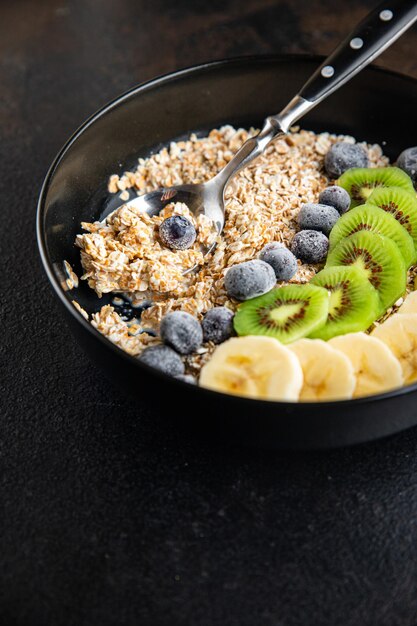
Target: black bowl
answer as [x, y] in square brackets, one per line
[377, 106]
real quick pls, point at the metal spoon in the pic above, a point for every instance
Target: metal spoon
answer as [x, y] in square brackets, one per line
[371, 37]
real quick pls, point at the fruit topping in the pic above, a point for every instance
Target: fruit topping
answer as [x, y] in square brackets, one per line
[361, 182]
[177, 232]
[318, 217]
[164, 359]
[327, 373]
[286, 313]
[343, 156]
[401, 204]
[336, 197]
[310, 246]
[182, 332]
[354, 303]
[255, 367]
[371, 218]
[410, 304]
[217, 324]
[407, 161]
[375, 367]
[399, 333]
[379, 257]
[249, 279]
[280, 259]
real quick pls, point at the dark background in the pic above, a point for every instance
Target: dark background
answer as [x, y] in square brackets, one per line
[107, 515]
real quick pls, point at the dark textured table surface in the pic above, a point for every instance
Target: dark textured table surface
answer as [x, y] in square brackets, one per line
[107, 515]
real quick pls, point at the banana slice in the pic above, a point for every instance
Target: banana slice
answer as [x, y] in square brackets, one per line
[255, 367]
[328, 373]
[375, 367]
[399, 333]
[410, 304]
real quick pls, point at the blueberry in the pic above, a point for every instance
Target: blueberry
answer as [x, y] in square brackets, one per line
[187, 378]
[250, 279]
[164, 359]
[218, 324]
[310, 246]
[181, 331]
[177, 232]
[282, 260]
[337, 197]
[342, 156]
[407, 161]
[318, 217]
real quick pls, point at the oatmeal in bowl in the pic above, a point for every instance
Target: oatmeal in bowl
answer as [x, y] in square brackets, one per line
[303, 296]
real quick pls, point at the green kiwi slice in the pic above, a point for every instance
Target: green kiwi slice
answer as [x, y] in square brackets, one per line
[286, 313]
[354, 303]
[360, 182]
[379, 257]
[374, 219]
[401, 204]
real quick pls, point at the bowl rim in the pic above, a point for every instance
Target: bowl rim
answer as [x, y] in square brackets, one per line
[106, 108]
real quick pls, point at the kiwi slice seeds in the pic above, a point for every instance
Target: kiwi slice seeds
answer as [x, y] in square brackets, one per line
[401, 204]
[379, 257]
[354, 303]
[374, 219]
[360, 182]
[286, 313]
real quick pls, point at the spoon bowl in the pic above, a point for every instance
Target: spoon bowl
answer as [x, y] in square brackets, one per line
[201, 199]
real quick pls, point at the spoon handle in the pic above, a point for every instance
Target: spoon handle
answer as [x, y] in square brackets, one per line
[371, 37]
[367, 41]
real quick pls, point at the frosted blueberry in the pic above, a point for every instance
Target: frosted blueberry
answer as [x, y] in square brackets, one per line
[177, 232]
[310, 246]
[318, 217]
[250, 279]
[407, 161]
[164, 359]
[181, 331]
[342, 156]
[282, 260]
[336, 197]
[218, 324]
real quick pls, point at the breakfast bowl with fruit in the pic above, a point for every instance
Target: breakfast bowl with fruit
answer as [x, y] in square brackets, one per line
[293, 325]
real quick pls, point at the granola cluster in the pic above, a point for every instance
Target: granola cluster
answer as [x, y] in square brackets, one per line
[261, 202]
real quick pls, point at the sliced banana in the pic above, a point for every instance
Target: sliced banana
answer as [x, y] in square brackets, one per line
[399, 333]
[255, 367]
[328, 373]
[410, 304]
[374, 365]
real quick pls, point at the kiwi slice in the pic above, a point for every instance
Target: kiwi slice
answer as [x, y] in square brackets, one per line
[371, 218]
[354, 303]
[401, 204]
[286, 313]
[360, 182]
[381, 259]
